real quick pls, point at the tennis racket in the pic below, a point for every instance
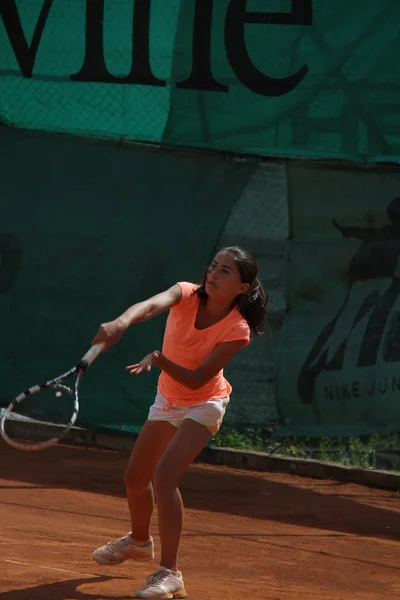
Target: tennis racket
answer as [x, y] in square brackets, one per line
[43, 414]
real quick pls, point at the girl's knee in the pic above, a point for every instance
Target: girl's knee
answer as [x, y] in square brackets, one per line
[164, 480]
[134, 480]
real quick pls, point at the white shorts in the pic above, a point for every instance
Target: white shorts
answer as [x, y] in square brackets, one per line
[209, 414]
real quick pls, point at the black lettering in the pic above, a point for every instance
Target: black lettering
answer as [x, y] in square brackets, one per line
[356, 389]
[345, 124]
[94, 67]
[201, 77]
[391, 344]
[24, 53]
[382, 307]
[395, 384]
[378, 308]
[383, 388]
[328, 392]
[372, 390]
[246, 72]
[345, 391]
[10, 260]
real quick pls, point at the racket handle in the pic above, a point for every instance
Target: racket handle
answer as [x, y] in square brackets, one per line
[92, 354]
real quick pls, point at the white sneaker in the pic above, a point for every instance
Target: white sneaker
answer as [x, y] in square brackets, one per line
[164, 584]
[122, 549]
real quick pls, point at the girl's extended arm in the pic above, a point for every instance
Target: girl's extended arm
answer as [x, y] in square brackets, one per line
[110, 332]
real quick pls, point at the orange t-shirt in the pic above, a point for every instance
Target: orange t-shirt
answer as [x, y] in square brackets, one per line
[188, 347]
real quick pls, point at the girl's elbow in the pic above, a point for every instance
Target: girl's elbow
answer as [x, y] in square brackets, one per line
[194, 385]
[197, 382]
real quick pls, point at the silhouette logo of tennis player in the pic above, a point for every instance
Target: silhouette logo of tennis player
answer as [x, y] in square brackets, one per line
[376, 258]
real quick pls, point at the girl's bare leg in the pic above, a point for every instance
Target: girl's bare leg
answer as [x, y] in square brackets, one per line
[149, 447]
[189, 440]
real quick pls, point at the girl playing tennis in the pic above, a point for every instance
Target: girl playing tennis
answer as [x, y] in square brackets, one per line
[206, 326]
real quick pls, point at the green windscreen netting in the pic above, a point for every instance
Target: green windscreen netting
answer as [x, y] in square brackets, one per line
[88, 228]
[298, 78]
[339, 348]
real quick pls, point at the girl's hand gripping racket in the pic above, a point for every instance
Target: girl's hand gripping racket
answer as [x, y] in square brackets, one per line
[43, 414]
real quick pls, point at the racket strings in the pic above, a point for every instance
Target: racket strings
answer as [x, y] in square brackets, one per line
[43, 416]
[26, 422]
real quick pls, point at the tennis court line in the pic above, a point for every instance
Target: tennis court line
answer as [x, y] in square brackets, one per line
[18, 562]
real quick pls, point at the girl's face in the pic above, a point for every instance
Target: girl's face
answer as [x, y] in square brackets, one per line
[223, 278]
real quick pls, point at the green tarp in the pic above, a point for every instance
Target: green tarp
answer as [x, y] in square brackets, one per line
[88, 229]
[300, 78]
[339, 349]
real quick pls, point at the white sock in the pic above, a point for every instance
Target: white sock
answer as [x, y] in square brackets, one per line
[139, 544]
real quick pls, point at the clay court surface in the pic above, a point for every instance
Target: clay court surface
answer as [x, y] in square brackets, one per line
[247, 534]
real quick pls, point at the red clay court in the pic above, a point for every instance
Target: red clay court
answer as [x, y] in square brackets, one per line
[253, 535]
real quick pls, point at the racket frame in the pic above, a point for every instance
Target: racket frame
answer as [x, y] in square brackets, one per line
[55, 383]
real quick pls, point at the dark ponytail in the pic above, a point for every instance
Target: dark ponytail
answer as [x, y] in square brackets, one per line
[253, 304]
